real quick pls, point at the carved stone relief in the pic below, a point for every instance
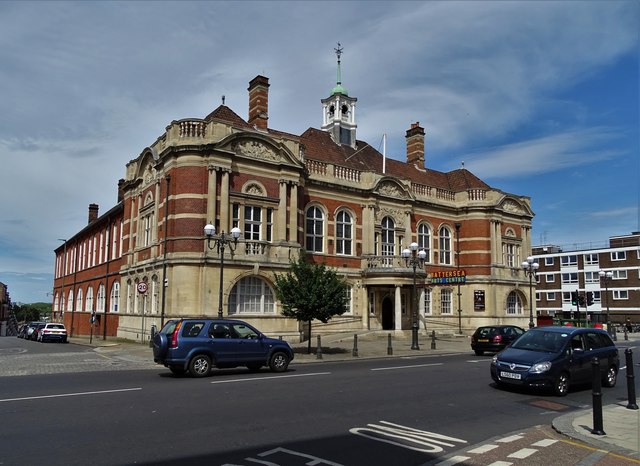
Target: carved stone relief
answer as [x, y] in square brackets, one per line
[255, 149]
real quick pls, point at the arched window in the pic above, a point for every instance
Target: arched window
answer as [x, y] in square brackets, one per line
[424, 240]
[344, 233]
[514, 303]
[445, 246]
[129, 298]
[315, 229]
[388, 237]
[155, 293]
[251, 295]
[56, 303]
[90, 307]
[79, 302]
[70, 301]
[100, 298]
[114, 297]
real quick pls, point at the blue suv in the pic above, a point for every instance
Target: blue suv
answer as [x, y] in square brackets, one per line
[197, 345]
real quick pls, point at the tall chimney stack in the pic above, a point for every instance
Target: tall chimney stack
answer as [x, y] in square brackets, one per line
[259, 102]
[93, 212]
[415, 145]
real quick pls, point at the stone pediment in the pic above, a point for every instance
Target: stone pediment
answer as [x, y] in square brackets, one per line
[513, 206]
[259, 148]
[391, 189]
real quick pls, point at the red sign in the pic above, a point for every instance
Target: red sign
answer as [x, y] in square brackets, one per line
[142, 287]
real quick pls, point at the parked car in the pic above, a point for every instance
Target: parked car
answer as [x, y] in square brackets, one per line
[22, 331]
[197, 345]
[32, 330]
[494, 338]
[556, 358]
[53, 332]
[36, 330]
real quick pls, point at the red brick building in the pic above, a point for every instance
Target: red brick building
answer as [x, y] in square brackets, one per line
[324, 193]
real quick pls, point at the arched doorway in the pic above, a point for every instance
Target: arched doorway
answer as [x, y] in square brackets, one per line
[387, 314]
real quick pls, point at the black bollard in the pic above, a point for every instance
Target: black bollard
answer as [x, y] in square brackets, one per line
[355, 345]
[433, 339]
[389, 347]
[631, 385]
[319, 349]
[597, 397]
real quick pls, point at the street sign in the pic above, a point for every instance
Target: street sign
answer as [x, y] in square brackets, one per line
[142, 287]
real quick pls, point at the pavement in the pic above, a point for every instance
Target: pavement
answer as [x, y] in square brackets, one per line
[620, 422]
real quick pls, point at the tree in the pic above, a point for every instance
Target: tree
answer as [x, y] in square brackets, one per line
[311, 291]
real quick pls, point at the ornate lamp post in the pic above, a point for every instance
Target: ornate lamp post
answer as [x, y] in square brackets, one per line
[414, 258]
[530, 269]
[606, 276]
[218, 243]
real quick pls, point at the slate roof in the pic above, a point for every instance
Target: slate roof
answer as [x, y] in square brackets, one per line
[319, 146]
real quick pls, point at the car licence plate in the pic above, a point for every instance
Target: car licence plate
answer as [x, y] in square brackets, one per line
[483, 340]
[510, 375]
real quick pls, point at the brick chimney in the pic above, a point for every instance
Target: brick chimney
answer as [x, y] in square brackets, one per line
[415, 145]
[259, 102]
[93, 212]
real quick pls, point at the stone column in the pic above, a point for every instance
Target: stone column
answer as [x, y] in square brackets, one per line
[212, 182]
[280, 227]
[293, 214]
[398, 308]
[224, 202]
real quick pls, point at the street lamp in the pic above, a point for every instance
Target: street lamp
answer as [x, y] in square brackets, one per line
[414, 258]
[606, 275]
[530, 269]
[219, 243]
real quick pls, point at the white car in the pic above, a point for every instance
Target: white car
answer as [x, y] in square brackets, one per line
[53, 332]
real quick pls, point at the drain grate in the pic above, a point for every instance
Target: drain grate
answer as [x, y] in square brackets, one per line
[551, 405]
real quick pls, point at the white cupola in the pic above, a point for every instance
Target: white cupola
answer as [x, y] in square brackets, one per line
[339, 112]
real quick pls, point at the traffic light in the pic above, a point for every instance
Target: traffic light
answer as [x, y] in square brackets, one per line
[574, 298]
[581, 300]
[589, 298]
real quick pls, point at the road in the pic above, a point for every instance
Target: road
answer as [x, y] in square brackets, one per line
[405, 411]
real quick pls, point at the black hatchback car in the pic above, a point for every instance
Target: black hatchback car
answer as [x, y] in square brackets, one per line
[494, 338]
[556, 358]
[197, 345]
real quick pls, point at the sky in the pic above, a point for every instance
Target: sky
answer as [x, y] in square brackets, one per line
[539, 99]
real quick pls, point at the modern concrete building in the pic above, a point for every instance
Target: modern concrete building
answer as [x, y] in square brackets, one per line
[323, 193]
[609, 274]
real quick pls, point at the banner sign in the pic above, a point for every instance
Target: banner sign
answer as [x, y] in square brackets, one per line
[478, 300]
[451, 277]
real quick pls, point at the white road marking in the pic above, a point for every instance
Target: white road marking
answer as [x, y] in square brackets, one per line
[521, 454]
[453, 460]
[544, 443]
[407, 437]
[101, 392]
[500, 463]
[512, 438]
[273, 377]
[406, 367]
[482, 449]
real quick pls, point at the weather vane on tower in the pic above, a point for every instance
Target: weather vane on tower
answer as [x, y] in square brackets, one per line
[338, 51]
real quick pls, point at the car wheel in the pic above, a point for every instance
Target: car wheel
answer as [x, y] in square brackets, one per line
[200, 365]
[279, 362]
[479, 352]
[253, 367]
[561, 387]
[177, 370]
[611, 377]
